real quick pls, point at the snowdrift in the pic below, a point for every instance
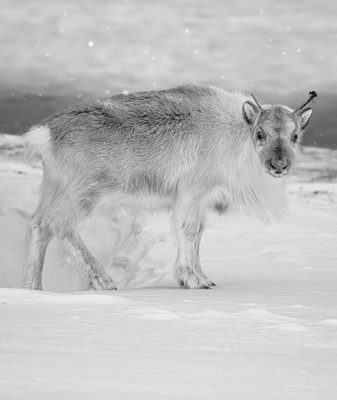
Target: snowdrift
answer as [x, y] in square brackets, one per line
[267, 330]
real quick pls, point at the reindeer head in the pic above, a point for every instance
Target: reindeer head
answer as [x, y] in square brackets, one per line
[276, 132]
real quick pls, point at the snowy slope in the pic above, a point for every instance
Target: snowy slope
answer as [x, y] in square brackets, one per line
[267, 331]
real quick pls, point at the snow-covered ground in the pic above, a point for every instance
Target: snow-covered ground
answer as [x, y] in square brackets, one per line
[268, 330]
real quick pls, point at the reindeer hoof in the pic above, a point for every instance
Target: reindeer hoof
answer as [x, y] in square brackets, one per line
[33, 285]
[102, 283]
[190, 280]
[188, 285]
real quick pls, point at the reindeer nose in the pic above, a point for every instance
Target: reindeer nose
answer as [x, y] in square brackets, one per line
[279, 164]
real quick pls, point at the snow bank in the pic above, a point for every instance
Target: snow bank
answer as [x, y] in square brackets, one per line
[267, 331]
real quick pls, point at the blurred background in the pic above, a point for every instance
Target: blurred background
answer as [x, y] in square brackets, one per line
[58, 53]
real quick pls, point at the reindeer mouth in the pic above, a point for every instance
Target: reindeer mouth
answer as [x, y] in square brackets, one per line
[277, 174]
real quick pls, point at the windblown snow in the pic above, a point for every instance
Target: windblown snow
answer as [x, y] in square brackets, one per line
[268, 330]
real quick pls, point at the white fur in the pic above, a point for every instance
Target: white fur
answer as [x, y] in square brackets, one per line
[251, 189]
[37, 141]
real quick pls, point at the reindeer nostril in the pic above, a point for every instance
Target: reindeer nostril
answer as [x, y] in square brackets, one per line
[279, 164]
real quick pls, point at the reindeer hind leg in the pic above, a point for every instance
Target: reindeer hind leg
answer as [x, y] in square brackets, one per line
[81, 205]
[40, 236]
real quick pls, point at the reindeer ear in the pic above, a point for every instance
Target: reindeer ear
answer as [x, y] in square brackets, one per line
[249, 112]
[304, 116]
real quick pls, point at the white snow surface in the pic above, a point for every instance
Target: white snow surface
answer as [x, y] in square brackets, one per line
[268, 330]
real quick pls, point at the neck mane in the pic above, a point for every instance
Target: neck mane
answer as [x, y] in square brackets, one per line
[251, 188]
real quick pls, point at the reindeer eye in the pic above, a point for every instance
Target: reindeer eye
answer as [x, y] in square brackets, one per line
[261, 137]
[294, 138]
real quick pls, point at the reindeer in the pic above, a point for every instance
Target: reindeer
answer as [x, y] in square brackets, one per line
[188, 149]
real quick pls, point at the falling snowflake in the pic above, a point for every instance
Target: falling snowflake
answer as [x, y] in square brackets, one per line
[90, 44]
